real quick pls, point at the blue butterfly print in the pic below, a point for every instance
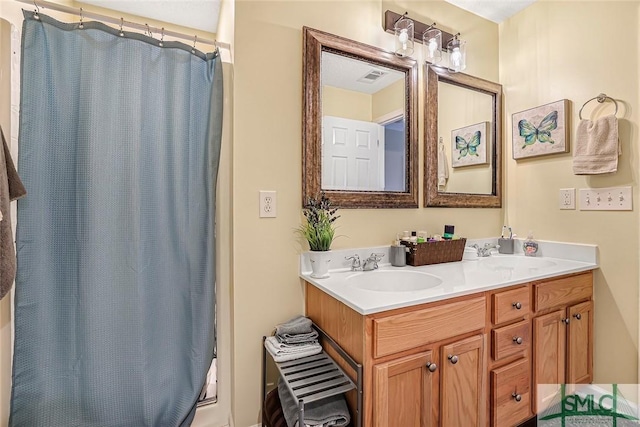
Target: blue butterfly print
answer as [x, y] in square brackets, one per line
[542, 133]
[470, 147]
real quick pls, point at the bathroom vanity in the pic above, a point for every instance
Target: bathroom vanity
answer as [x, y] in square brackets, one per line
[467, 349]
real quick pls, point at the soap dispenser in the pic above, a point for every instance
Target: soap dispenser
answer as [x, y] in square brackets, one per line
[530, 246]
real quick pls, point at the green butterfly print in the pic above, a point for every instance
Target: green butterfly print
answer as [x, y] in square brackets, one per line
[470, 147]
[542, 133]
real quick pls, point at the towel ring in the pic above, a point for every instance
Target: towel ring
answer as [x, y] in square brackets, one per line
[600, 98]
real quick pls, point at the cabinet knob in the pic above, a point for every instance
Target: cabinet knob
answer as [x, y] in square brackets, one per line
[453, 359]
[432, 367]
[517, 397]
[517, 340]
[565, 321]
[517, 305]
[577, 316]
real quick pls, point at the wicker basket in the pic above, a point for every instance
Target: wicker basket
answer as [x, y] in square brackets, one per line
[435, 252]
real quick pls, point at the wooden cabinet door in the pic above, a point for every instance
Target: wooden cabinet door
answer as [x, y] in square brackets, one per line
[580, 344]
[461, 391]
[511, 394]
[549, 335]
[402, 392]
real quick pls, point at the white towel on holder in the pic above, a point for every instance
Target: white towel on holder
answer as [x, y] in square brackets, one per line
[443, 165]
[596, 148]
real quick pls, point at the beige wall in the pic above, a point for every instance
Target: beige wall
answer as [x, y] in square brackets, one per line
[556, 50]
[268, 152]
[347, 104]
[388, 100]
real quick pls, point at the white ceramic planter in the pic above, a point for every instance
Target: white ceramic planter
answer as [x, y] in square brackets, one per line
[320, 261]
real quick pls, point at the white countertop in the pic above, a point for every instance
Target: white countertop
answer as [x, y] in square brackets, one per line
[457, 278]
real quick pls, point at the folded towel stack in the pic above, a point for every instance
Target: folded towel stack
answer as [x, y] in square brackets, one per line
[331, 411]
[293, 340]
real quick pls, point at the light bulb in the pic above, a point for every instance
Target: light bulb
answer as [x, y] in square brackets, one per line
[455, 57]
[433, 46]
[403, 37]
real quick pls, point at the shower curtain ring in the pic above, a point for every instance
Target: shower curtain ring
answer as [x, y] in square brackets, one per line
[161, 37]
[81, 26]
[121, 33]
[35, 12]
[193, 49]
[150, 34]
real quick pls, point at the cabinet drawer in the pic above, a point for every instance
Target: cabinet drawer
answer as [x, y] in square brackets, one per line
[564, 291]
[405, 331]
[505, 340]
[509, 383]
[510, 305]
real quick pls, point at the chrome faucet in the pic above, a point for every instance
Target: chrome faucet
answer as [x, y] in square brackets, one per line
[484, 251]
[371, 263]
[355, 262]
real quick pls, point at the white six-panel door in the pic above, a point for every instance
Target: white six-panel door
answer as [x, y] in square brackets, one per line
[352, 155]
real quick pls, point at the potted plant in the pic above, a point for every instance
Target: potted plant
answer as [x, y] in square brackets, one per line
[319, 231]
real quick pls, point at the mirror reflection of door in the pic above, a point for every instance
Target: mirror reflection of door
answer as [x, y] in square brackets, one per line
[352, 155]
[363, 126]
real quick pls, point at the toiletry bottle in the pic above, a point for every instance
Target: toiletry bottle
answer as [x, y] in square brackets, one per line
[530, 246]
[449, 230]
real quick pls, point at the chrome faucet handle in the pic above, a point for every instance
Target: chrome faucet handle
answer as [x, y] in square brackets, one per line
[372, 262]
[355, 261]
[376, 257]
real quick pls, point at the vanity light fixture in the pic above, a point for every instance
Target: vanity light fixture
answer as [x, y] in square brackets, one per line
[403, 30]
[432, 39]
[457, 54]
[435, 40]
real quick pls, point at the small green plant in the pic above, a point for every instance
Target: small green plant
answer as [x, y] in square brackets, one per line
[319, 229]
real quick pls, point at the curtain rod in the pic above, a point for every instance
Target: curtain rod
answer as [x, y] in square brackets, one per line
[106, 18]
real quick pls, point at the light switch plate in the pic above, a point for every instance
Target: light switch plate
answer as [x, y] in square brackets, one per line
[606, 199]
[567, 198]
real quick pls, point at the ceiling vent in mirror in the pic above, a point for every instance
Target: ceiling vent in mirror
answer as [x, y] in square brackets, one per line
[372, 76]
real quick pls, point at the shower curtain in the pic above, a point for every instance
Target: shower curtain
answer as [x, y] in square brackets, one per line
[118, 149]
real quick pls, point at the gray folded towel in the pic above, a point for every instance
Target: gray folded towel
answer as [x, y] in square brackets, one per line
[331, 411]
[11, 188]
[298, 325]
[297, 338]
[284, 352]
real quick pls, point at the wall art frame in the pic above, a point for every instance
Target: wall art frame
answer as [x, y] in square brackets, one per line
[469, 145]
[541, 131]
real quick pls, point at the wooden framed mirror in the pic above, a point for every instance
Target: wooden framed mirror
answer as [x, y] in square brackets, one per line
[359, 124]
[463, 120]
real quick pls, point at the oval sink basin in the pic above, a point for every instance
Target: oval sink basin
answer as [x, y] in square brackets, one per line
[515, 262]
[393, 281]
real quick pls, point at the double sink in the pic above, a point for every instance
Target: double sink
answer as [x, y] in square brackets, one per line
[403, 280]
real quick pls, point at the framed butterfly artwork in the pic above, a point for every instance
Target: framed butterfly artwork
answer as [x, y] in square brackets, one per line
[469, 145]
[541, 131]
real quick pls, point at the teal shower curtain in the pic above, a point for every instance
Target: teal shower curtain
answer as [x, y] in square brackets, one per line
[118, 149]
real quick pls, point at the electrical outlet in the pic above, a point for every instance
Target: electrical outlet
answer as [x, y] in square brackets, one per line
[567, 198]
[267, 204]
[606, 199]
